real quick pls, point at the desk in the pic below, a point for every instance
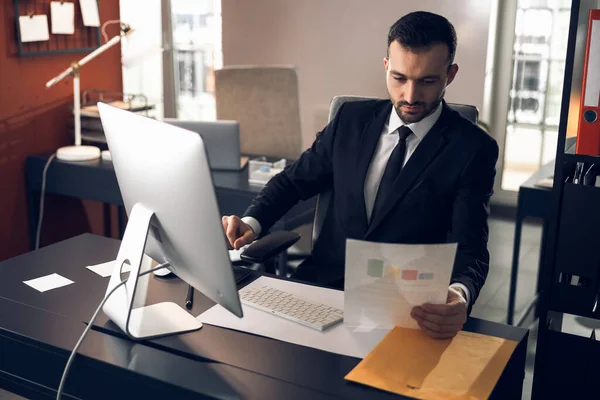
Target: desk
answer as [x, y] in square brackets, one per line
[36, 344]
[96, 180]
[534, 201]
[212, 361]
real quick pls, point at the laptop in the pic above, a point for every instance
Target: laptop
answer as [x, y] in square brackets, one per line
[221, 139]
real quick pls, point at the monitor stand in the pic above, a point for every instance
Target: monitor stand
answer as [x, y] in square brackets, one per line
[146, 322]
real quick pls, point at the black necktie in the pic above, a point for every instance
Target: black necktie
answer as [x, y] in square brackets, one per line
[392, 169]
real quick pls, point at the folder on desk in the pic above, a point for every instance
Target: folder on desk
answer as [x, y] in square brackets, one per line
[588, 133]
[409, 363]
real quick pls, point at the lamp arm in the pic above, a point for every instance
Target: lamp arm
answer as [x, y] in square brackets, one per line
[100, 50]
[75, 66]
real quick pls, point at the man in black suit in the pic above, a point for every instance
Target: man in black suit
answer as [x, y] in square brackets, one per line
[415, 172]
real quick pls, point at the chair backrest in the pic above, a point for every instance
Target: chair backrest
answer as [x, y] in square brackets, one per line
[265, 101]
[469, 112]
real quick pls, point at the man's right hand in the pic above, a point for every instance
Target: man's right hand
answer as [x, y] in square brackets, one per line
[237, 231]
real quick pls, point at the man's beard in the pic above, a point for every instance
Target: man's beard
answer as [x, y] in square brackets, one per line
[427, 109]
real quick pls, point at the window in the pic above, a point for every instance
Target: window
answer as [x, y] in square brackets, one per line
[539, 49]
[185, 21]
[188, 84]
[142, 52]
[185, 90]
[198, 52]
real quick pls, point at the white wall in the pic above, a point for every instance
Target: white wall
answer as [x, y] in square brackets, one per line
[338, 45]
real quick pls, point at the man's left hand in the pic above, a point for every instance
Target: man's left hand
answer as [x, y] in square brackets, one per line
[442, 321]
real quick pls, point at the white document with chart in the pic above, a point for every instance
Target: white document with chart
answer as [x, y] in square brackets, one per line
[383, 281]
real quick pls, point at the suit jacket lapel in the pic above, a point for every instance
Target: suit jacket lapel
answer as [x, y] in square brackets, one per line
[425, 153]
[366, 150]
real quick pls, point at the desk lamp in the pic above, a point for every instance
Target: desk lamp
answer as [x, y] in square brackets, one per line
[79, 152]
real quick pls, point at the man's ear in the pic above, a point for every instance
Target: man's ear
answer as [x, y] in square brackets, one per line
[451, 73]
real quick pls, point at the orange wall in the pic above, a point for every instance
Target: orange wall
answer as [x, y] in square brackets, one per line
[34, 120]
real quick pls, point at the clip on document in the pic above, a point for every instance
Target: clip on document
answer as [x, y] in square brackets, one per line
[385, 281]
[48, 282]
[33, 28]
[409, 363]
[62, 17]
[89, 12]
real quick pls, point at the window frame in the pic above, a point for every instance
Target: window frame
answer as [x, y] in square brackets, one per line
[498, 87]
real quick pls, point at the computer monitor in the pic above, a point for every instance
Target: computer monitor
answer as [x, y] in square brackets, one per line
[167, 189]
[221, 139]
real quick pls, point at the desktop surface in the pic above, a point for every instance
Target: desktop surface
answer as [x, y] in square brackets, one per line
[102, 170]
[70, 258]
[232, 180]
[111, 367]
[306, 368]
[96, 180]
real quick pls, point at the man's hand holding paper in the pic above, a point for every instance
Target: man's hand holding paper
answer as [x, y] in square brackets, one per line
[442, 321]
[389, 285]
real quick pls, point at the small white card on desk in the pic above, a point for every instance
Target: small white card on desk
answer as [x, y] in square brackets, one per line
[62, 16]
[105, 269]
[89, 12]
[34, 28]
[48, 282]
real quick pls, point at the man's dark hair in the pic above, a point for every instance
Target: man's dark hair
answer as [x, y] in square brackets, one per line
[420, 30]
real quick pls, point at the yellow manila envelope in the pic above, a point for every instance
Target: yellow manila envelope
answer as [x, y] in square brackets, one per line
[410, 363]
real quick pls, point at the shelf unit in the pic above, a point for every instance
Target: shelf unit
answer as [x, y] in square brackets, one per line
[567, 365]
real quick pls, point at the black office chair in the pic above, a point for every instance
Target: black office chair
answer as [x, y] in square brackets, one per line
[273, 244]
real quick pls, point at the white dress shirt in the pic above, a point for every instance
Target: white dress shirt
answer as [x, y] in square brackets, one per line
[387, 141]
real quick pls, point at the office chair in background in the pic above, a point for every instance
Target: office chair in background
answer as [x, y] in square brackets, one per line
[323, 200]
[264, 100]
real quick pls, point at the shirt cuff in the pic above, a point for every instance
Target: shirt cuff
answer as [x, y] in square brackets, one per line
[254, 224]
[464, 289]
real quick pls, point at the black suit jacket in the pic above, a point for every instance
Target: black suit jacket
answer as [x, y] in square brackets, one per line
[441, 195]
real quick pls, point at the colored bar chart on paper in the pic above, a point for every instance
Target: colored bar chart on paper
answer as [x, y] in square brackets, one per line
[426, 276]
[384, 281]
[377, 269]
[410, 274]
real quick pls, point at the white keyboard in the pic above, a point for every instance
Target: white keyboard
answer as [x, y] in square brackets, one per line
[286, 305]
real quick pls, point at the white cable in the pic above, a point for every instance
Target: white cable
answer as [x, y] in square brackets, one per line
[112, 21]
[63, 379]
[42, 193]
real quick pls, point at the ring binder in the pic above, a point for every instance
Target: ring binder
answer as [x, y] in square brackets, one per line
[588, 135]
